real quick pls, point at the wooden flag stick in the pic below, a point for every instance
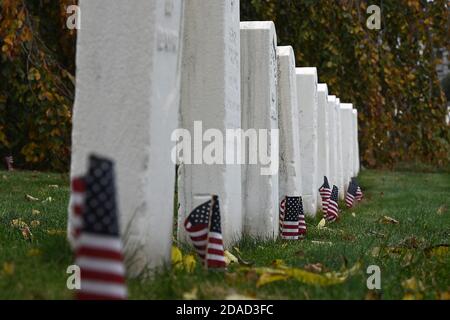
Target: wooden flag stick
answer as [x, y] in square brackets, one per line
[213, 202]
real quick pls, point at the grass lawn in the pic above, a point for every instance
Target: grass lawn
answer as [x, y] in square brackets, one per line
[34, 267]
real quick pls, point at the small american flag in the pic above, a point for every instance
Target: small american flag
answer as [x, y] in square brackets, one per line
[76, 207]
[98, 244]
[333, 206]
[301, 220]
[359, 193]
[351, 194]
[292, 218]
[204, 228]
[325, 193]
[9, 161]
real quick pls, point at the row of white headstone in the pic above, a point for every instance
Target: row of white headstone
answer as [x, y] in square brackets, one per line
[148, 67]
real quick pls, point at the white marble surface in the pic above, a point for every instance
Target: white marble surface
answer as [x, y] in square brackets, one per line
[259, 104]
[127, 98]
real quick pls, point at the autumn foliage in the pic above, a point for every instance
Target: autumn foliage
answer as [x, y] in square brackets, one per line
[36, 82]
[389, 74]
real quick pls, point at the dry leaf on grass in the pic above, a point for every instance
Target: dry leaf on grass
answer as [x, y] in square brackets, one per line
[191, 295]
[189, 262]
[413, 284]
[31, 198]
[329, 243]
[18, 223]
[238, 255]
[438, 251]
[413, 296]
[48, 199]
[269, 275]
[377, 234]
[237, 296]
[8, 268]
[34, 252]
[35, 212]
[53, 186]
[373, 295]
[441, 210]
[177, 258]
[35, 223]
[444, 295]
[321, 224]
[388, 220]
[314, 267]
[230, 258]
[55, 232]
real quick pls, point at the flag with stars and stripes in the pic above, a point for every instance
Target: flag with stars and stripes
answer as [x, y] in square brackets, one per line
[325, 193]
[333, 205]
[76, 207]
[204, 228]
[359, 193]
[301, 220]
[292, 218]
[351, 194]
[98, 248]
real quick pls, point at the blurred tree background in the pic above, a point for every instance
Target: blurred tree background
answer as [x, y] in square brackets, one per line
[389, 74]
[37, 67]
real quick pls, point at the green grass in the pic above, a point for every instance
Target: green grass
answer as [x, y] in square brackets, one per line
[36, 269]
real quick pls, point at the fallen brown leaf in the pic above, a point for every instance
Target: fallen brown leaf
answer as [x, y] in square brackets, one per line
[31, 198]
[314, 267]
[8, 268]
[373, 295]
[388, 220]
[442, 209]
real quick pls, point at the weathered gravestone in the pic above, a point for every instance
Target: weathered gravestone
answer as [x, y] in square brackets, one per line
[332, 139]
[308, 105]
[290, 169]
[259, 104]
[126, 107]
[340, 167]
[347, 142]
[322, 135]
[355, 143]
[210, 103]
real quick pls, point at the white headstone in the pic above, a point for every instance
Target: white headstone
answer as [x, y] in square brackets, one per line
[308, 109]
[290, 168]
[126, 107]
[259, 111]
[332, 139]
[340, 167]
[347, 142]
[211, 93]
[356, 142]
[322, 135]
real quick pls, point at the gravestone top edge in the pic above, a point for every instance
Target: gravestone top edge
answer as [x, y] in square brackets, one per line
[306, 71]
[323, 87]
[346, 106]
[257, 25]
[331, 98]
[285, 51]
